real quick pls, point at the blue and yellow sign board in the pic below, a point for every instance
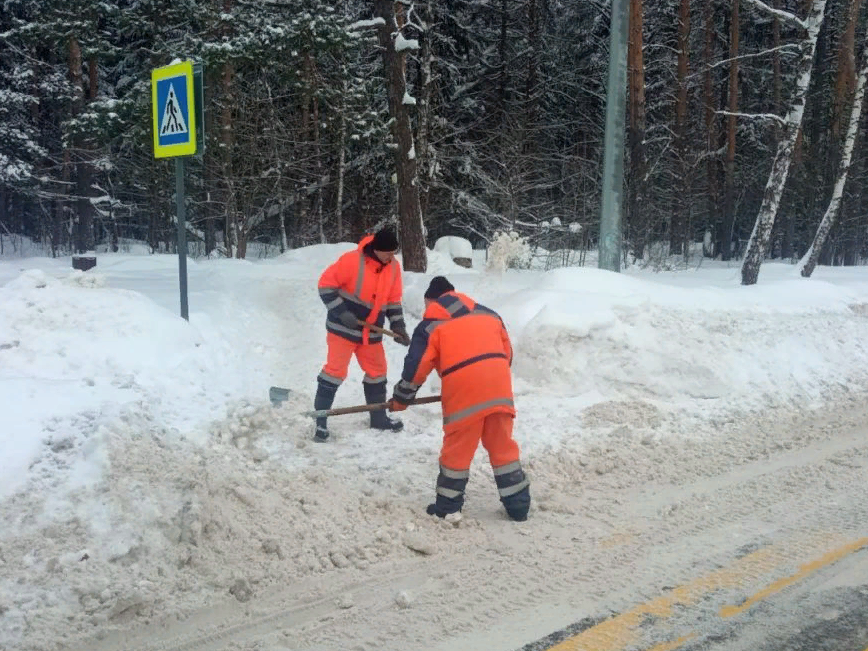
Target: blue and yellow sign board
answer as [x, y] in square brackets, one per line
[174, 110]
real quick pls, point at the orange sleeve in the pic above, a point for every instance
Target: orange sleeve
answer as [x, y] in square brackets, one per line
[334, 278]
[421, 359]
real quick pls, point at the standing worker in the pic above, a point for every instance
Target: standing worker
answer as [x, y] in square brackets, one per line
[363, 287]
[467, 344]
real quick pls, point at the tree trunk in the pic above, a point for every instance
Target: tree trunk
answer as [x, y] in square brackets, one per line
[710, 117]
[409, 209]
[227, 141]
[846, 78]
[503, 76]
[728, 222]
[678, 232]
[636, 131]
[209, 214]
[531, 105]
[765, 221]
[809, 261]
[789, 228]
[83, 229]
[342, 165]
[424, 151]
[284, 243]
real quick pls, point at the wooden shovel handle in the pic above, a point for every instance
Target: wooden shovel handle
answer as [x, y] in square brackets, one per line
[376, 328]
[379, 405]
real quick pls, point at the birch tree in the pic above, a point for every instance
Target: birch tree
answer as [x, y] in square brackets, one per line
[809, 262]
[765, 220]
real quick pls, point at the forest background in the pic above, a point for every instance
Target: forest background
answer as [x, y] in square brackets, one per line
[452, 117]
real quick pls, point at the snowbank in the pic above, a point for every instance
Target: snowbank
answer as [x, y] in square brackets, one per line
[701, 351]
[73, 353]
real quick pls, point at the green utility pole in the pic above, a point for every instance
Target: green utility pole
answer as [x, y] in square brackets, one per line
[613, 159]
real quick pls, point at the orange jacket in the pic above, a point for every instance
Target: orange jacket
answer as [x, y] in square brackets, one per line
[467, 344]
[369, 289]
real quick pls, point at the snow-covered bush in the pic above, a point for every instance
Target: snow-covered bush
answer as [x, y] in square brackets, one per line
[508, 251]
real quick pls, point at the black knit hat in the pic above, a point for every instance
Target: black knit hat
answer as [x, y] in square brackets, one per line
[385, 239]
[439, 286]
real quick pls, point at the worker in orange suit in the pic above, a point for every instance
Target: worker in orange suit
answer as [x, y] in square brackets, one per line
[363, 287]
[467, 344]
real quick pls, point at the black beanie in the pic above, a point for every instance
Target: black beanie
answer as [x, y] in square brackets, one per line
[439, 286]
[385, 239]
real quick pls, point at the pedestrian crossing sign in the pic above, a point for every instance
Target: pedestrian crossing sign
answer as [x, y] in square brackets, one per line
[174, 110]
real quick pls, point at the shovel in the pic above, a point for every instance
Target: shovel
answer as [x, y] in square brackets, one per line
[278, 395]
[324, 413]
[376, 328]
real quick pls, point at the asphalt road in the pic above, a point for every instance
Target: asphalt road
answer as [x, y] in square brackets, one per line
[822, 606]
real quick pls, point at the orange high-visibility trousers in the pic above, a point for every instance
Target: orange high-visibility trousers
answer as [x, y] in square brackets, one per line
[371, 357]
[495, 432]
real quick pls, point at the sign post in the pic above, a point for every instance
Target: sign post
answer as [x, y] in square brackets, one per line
[176, 107]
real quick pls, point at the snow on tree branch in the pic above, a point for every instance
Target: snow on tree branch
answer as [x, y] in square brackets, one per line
[785, 16]
[402, 43]
[741, 57]
[756, 116]
[361, 24]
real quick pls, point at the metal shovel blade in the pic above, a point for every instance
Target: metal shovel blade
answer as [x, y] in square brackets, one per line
[278, 395]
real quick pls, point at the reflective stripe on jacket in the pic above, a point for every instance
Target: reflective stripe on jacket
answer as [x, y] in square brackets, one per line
[369, 289]
[467, 344]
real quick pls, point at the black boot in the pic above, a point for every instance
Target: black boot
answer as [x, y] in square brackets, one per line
[514, 488]
[450, 492]
[325, 396]
[374, 393]
[517, 505]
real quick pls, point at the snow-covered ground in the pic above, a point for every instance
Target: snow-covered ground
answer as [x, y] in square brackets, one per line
[144, 471]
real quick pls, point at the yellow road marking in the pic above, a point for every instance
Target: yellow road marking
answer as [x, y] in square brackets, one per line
[674, 644]
[623, 630]
[804, 570]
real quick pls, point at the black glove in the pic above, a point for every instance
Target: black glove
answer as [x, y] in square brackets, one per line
[403, 338]
[347, 318]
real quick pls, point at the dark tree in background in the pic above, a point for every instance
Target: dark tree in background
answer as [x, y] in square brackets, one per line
[448, 117]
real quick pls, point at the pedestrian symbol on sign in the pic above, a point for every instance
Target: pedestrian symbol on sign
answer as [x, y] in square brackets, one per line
[174, 110]
[173, 119]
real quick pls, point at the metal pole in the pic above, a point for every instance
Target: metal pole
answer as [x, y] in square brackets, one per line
[182, 234]
[613, 159]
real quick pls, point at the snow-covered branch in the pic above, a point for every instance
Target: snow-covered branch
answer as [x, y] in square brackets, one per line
[784, 16]
[756, 116]
[788, 46]
[362, 24]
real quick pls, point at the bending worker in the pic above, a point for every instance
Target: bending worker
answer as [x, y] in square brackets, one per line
[467, 344]
[363, 287]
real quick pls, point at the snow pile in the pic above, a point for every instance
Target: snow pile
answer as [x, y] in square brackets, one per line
[72, 353]
[705, 350]
[172, 523]
[454, 247]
